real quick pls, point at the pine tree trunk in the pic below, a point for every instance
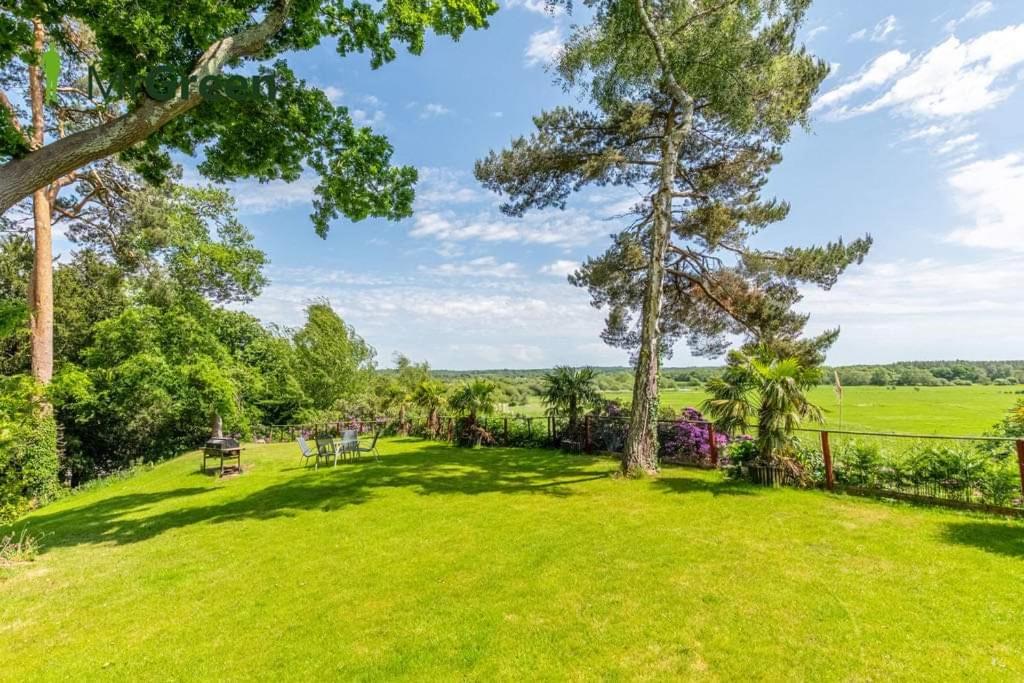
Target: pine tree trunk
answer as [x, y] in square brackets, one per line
[41, 305]
[640, 456]
[41, 285]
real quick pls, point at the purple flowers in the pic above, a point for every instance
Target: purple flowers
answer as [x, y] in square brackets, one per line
[688, 440]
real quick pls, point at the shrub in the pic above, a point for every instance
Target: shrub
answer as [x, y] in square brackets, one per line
[858, 464]
[608, 429]
[688, 440]
[999, 485]
[740, 453]
[28, 449]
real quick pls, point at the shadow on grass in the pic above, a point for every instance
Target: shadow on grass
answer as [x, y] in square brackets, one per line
[429, 471]
[716, 487]
[994, 536]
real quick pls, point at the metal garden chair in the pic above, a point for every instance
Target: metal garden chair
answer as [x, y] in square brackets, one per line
[326, 449]
[349, 443]
[308, 453]
[372, 448]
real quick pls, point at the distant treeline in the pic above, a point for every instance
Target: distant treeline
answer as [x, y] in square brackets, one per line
[518, 386]
[932, 373]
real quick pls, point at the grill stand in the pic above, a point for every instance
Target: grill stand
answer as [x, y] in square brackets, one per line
[224, 454]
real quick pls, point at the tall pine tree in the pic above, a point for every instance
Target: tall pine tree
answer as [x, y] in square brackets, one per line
[690, 102]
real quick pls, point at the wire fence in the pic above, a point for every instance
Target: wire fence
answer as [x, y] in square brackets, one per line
[962, 471]
[968, 471]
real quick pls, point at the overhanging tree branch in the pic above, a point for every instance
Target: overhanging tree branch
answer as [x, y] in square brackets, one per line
[20, 177]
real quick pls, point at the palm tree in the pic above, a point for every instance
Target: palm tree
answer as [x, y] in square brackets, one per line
[395, 398]
[429, 396]
[474, 398]
[569, 391]
[761, 384]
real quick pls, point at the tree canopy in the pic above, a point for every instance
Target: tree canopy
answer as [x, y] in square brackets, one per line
[269, 138]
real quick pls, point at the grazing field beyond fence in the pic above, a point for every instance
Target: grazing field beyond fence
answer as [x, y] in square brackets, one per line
[915, 410]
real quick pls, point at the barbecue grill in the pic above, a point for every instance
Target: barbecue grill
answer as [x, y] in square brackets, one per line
[225, 448]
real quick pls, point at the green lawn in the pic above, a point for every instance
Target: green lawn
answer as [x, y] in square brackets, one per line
[956, 411]
[439, 563]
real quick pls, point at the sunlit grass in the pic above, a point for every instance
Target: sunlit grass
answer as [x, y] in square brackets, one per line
[443, 563]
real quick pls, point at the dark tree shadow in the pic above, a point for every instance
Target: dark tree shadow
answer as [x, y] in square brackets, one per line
[431, 470]
[994, 537]
[720, 487]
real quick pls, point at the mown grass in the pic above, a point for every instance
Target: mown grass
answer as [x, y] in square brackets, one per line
[441, 563]
[956, 411]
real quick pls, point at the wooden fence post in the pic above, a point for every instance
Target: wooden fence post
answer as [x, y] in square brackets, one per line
[529, 428]
[588, 442]
[712, 445]
[826, 452]
[506, 431]
[1020, 463]
[550, 435]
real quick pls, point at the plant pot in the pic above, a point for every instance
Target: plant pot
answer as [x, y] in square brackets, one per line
[767, 475]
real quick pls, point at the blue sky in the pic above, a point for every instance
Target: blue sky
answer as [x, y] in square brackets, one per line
[917, 139]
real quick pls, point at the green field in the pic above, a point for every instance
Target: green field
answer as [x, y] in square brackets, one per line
[441, 564]
[955, 411]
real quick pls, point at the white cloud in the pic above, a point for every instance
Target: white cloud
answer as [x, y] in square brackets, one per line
[512, 322]
[876, 74]
[884, 29]
[433, 109]
[485, 266]
[334, 94]
[815, 32]
[438, 187]
[978, 10]
[555, 228]
[560, 268]
[253, 197]
[990, 194]
[537, 6]
[544, 47]
[920, 287]
[361, 117]
[957, 78]
[950, 81]
[920, 308]
[957, 143]
[880, 33]
[928, 132]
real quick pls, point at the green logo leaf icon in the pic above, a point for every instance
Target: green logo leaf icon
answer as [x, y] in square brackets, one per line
[51, 68]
